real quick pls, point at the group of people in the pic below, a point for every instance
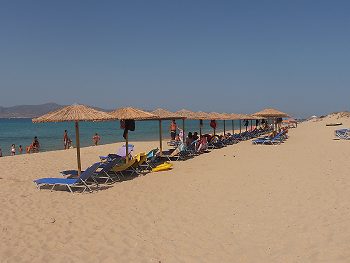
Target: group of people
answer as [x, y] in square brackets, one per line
[201, 141]
[67, 142]
[32, 148]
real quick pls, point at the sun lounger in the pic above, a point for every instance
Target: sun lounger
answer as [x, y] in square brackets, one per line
[121, 153]
[125, 167]
[151, 159]
[80, 181]
[275, 140]
[105, 171]
[343, 134]
[180, 152]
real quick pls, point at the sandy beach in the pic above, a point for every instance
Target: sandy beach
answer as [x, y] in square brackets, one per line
[241, 203]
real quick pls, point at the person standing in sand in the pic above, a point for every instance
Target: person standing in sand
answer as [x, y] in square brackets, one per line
[0, 152]
[20, 149]
[65, 140]
[173, 129]
[95, 139]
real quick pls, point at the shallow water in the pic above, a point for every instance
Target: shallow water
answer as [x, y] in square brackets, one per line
[22, 132]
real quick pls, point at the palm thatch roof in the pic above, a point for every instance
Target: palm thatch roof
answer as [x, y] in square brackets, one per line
[234, 116]
[243, 116]
[217, 116]
[166, 115]
[271, 113]
[257, 117]
[201, 115]
[129, 113]
[74, 112]
[187, 114]
[226, 116]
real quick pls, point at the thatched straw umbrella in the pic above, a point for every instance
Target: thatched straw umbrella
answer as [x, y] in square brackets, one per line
[271, 113]
[130, 113]
[247, 117]
[241, 117]
[75, 113]
[201, 115]
[225, 117]
[215, 116]
[188, 115]
[164, 115]
[234, 116]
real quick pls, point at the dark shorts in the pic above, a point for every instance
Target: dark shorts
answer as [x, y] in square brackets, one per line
[173, 135]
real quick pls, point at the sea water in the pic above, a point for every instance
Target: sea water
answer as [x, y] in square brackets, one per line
[50, 135]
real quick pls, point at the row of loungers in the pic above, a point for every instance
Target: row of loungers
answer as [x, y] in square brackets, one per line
[113, 167]
[183, 152]
[277, 139]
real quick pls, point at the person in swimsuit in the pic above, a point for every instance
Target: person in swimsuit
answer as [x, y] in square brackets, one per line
[13, 150]
[20, 149]
[65, 139]
[35, 145]
[96, 138]
[173, 128]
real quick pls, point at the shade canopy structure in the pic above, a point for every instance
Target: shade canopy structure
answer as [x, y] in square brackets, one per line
[188, 115]
[233, 116]
[216, 116]
[271, 113]
[164, 115]
[75, 113]
[225, 117]
[243, 116]
[129, 113]
[200, 115]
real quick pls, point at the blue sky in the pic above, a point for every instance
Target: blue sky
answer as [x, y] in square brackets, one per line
[232, 56]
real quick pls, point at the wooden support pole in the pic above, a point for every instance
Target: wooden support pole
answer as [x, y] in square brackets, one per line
[127, 147]
[183, 130]
[78, 146]
[160, 138]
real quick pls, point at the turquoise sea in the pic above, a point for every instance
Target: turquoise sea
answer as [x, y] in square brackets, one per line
[22, 132]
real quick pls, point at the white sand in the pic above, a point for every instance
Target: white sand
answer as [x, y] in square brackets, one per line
[242, 203]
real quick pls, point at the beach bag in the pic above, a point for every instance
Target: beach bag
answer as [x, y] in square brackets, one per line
[213, 124]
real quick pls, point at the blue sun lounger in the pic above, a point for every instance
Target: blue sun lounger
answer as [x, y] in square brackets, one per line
[275, 140]
[76, 182]
[105, 171]
[343, 134]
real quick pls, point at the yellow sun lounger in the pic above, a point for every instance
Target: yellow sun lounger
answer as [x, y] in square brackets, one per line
[131, 166]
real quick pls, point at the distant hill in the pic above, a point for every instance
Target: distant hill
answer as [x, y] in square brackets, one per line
[29, 111]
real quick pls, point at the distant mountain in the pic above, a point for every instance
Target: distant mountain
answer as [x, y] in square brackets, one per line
[29, 111]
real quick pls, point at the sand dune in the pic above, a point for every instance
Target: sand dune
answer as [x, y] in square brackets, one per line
[242, 203]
